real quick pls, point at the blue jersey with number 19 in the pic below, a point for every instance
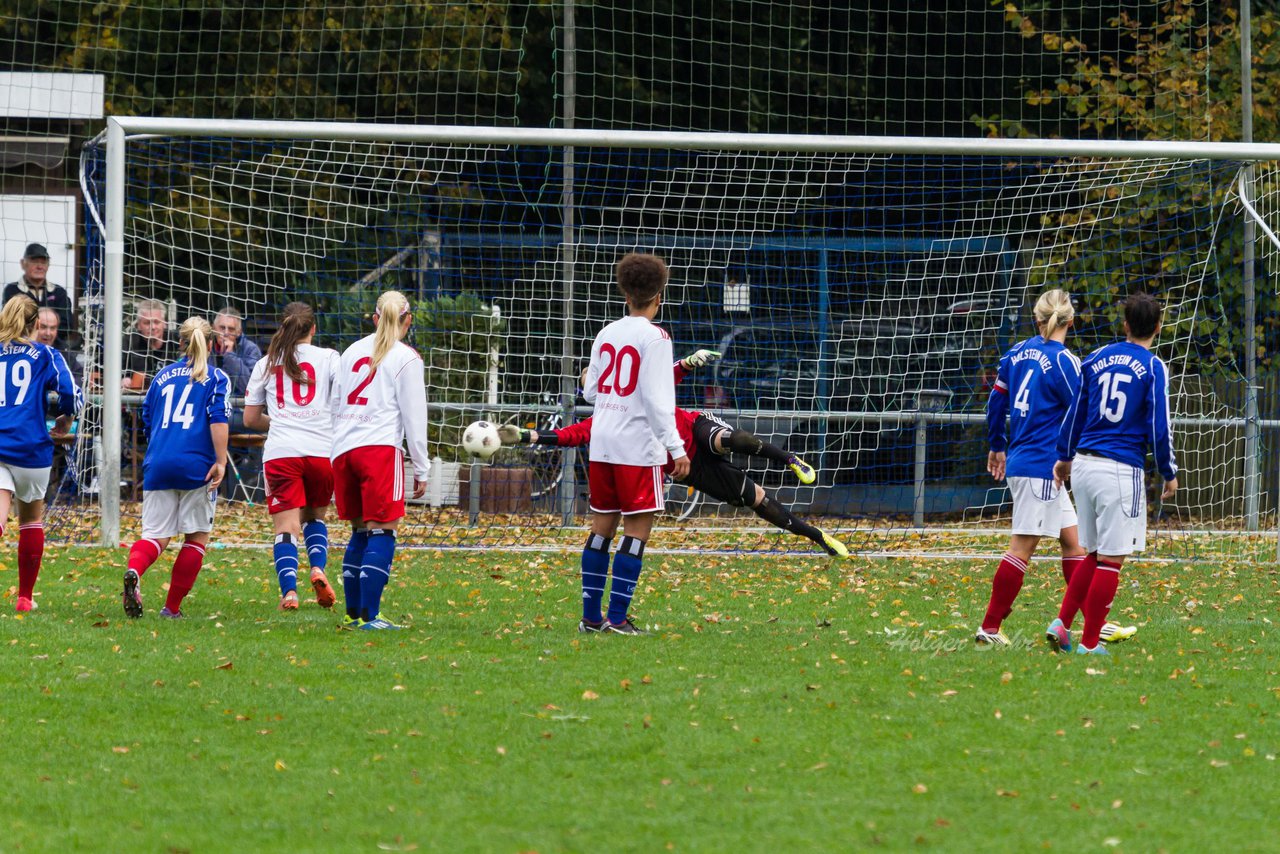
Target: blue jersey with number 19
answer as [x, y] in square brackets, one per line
[1122, 406]
[28, 371]
[1035, 384]
[176, 414]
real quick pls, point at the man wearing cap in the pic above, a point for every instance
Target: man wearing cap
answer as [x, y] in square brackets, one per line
[35, 267]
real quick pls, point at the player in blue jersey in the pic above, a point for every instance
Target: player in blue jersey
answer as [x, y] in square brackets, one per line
[185, 416]
[28, 371]
[1121, 409]
[1035, 384]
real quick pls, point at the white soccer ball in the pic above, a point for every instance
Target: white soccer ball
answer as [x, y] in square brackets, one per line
[480, 439]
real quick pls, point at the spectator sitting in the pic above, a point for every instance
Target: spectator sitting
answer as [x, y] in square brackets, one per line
[233, 352]
[236, 355]
[149, 349]
[35, 267]
[47, 333]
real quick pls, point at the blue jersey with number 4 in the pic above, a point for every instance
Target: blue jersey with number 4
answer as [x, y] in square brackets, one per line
[1123, 406]
[176, 415]
[27, 373]
[1035, 385]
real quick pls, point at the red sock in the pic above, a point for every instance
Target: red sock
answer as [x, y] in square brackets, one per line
[142, 554]
[1004, 589]
[1069, 565]
[1102, 592]
[30, 554]
[185, 570]
[1077, 589]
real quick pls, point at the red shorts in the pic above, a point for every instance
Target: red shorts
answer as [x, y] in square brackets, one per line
[617, 488]
[294, 482]
[369, 484]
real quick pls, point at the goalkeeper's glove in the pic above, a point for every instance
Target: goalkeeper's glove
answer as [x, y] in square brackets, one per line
[699, 359]
[510, 434]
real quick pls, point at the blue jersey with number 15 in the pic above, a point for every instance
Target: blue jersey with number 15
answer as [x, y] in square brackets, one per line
[176, 414]
[1122, 407]
[1035, 384]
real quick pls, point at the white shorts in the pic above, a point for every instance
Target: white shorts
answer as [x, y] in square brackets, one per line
[1113, 505]
[1040, 508]
[27, 485]
[169, 512]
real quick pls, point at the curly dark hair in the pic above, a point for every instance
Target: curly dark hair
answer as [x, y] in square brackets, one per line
[641, 278]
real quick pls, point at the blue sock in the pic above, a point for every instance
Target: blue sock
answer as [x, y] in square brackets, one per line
[626, 572]
[316, 535]
[286, 556]
[375, 570]
[351, 561]
[595, 574]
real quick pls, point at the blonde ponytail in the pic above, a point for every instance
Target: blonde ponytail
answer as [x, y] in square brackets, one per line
[195, 334]
[390, 315]
[1053, 311]
[18, 320]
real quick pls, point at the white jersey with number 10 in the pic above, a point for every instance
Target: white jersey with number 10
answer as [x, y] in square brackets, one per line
[301, 413]
[383, 406]
[631, 384]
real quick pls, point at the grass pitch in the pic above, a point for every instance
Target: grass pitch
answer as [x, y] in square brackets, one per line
[782, 704]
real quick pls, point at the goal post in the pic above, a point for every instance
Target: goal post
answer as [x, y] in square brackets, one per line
[861, 286]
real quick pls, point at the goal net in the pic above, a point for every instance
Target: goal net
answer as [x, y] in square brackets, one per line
[861, 299]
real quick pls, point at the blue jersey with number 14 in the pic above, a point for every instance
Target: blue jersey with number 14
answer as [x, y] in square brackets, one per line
[176, 414]
[1035, 384]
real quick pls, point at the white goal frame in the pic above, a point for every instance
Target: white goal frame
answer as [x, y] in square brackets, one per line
[120, 129]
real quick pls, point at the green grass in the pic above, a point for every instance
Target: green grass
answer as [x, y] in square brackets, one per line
[772, 711]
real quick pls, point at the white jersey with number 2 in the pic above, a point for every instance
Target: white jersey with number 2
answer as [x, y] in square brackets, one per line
[301, 413]
[383, 406]
[634, 391]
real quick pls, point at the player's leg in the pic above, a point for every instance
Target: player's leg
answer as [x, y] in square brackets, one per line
[283, 480]
[729, 439]
[347, 497]
[1122, 530]
[606, 513]
[780, 516]
[315, 534]
[1005, 586]
[30, 550]
[595, 569]
[628, 563]
[159, 525]
[195, 521]
[1087, 482]
[288, 533]
[382, 496]
[1074, 555]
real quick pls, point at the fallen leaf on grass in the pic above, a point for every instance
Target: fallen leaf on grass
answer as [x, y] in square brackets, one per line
[226, 665]
[119, 750]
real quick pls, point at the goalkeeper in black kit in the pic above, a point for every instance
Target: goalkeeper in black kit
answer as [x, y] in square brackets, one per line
[709, 441]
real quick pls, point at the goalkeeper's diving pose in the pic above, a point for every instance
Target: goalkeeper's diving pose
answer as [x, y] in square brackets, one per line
[709, 441]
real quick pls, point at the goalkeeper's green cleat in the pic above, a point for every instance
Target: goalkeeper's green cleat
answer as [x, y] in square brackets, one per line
[832, 545]
[1113, 633]
[803, 470]
[348, 623]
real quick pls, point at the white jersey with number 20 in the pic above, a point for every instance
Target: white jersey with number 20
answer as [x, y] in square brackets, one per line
[301, 413]
[383, 406]
[634, 391]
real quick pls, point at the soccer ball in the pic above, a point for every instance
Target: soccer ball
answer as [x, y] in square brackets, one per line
[480, 439]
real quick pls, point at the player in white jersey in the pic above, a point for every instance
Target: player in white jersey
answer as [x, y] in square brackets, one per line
[290, 398]
[381, 402]
[629, 381]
